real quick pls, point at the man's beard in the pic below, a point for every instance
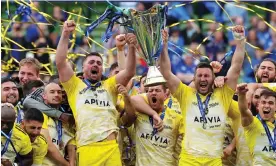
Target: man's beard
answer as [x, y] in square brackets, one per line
[270, 80]
[254, 110]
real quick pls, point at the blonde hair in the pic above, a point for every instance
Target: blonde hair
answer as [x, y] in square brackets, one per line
[32, 61]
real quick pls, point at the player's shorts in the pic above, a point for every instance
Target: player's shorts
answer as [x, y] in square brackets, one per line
[198, 161]
[105, 153]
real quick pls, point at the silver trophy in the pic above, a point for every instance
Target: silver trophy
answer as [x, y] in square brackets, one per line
[147, 27]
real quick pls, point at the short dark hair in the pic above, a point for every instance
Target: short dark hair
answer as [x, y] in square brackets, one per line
[266, 59]
[204, 65]
[268, 93]
[27, 88]
[92, 54]
[34, 114]
[113, 66]
[7, 79]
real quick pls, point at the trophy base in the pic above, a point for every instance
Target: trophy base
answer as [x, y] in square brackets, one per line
[154, 77]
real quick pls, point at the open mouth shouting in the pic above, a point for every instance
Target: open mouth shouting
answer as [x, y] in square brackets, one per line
[94, 71]
[203, 85]
[266, 111]
[265, 76]
[154, 100]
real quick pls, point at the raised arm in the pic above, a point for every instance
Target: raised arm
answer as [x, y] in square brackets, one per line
[120, 44]
[64, 69]
[246, 115]
[125, 75]
[129, 115]
[238, 57]
[165, 65]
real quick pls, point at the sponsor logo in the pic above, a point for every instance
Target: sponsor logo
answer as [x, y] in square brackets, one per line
[156, 138]
[267, 149]
[97, 102]
[213, 119]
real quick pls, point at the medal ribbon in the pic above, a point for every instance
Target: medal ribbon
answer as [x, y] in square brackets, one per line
[91, 86]
[151, 121]
[203, 106]
[19, 116]
[59, 129]
[170, 103]
[272, 141]
[8, 137]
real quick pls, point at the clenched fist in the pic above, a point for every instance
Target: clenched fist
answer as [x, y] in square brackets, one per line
[217, 66]
[120, 42]
[242, 88]
[238, 32]
[131, 39]
[68, 27]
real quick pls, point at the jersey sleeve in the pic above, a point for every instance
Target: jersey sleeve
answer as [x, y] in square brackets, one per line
[252, 127]
[72, 85]
[271, 86]
[45, 123]
[26, 146]
[110, 85]
[227, 96]
[250, 132]
[181, 94]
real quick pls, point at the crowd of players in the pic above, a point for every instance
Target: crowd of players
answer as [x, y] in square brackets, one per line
[91, 119]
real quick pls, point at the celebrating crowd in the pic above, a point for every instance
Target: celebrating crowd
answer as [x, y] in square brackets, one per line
[89, 119]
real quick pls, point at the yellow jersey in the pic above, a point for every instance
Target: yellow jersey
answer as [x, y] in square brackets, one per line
[257, 140]
[21, 142]
[173, 104]
[158, 149]
[198, 140]
[40, 149]
[271, 86]
[94, 110]
[67, 136]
